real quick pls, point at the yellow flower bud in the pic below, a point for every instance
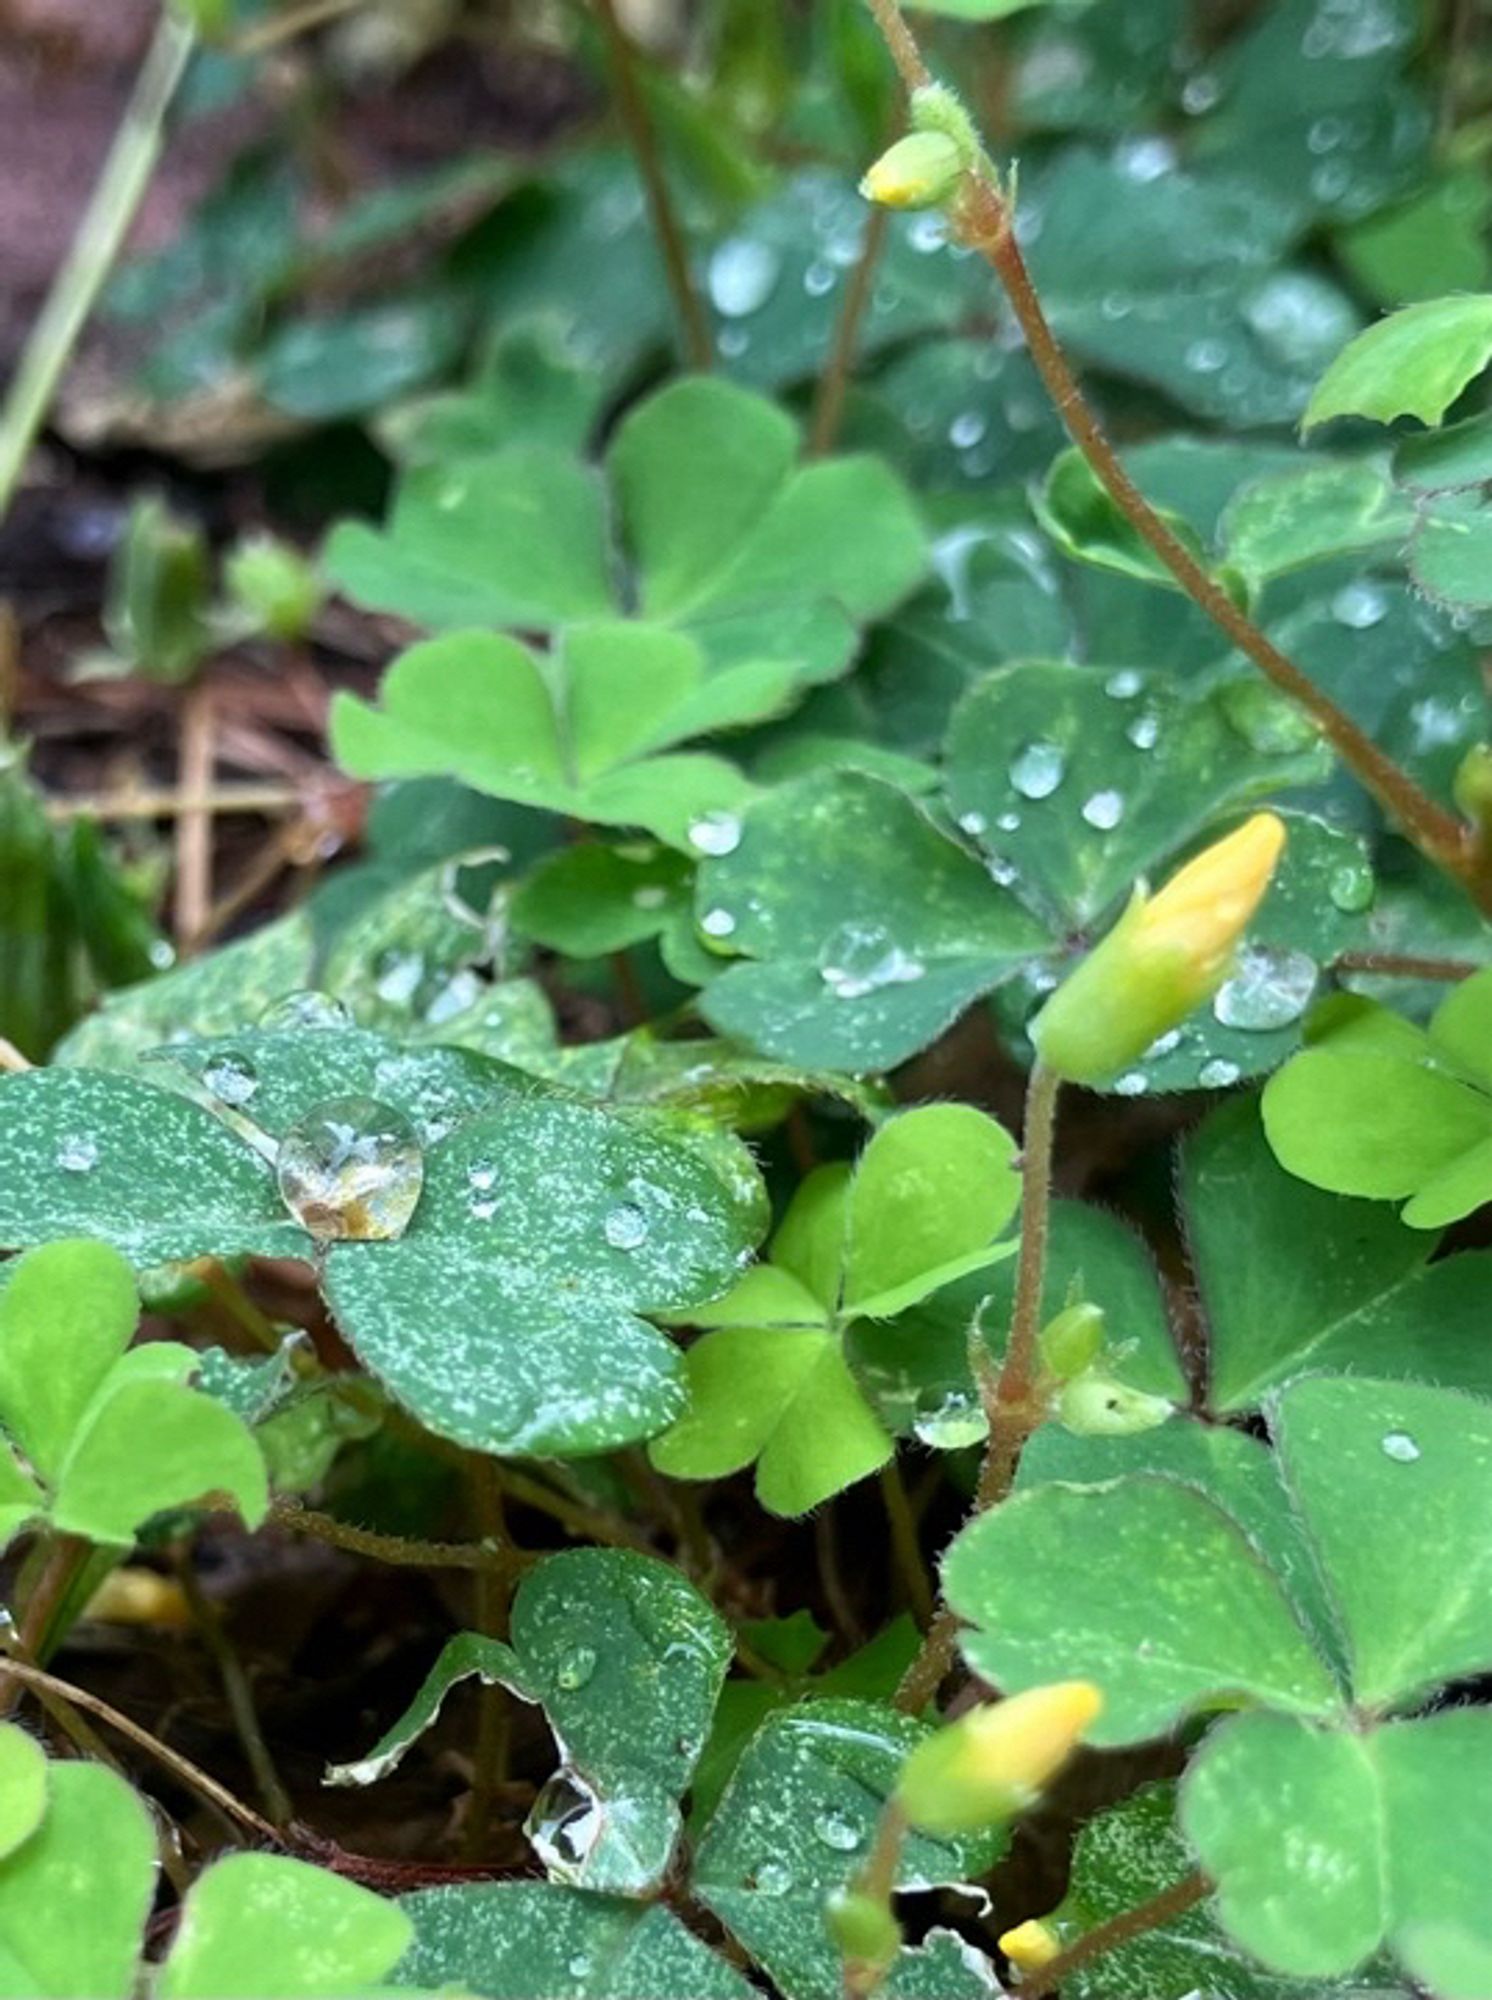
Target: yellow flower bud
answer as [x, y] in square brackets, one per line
[1031, 1946]
[920, 171]
[992, 1763]
[1165, 956]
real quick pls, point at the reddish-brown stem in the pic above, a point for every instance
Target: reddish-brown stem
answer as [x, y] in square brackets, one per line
[828, 409]
[1129, 1924]
[1399, 965]
[193, 896]
[983, 220]
[693, 324]
[59, 1564]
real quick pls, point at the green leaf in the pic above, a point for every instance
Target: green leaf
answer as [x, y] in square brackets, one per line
[74, 1897]
[589, 900]
[1414, 363]
[507, 1316]
[627, 1660]
[1293, 1279]
[1446, 1958]
[974, 10]
[261, 1923]
[1413, 1596]
[87, 1153]
[1448, 460]
[510, 1940]
[797, 1821]
[1449, 555]
[107, 1487]
[930, 1191]
[1288, 521]
[1180, 1614]
[23, 1788]
[868, 957]
[1079, 514]
[1432, 243]
[67, 1313]
[1075, 780]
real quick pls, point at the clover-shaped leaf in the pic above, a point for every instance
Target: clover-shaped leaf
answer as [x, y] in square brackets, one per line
[627, 1660]
[771, 568]
[768, 1382]
[23, 1787]
[1379, 1108]
[796, 1823]
[1414, 363]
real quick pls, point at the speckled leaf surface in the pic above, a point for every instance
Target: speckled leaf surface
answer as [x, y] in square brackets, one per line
[510, 1940]
[263, 1923]
[868, 957]
[507, 1317]
[627, 1660]
[796, 1822]
[90, 1153]
[1183, 1613]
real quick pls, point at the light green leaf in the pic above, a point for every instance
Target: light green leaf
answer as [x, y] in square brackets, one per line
[1288, 521]
[796, 1822]
[974, 10]
[21, 1499]
[262, 1923]
[510, 1940]
[470, 1655]
[867, 957]
[1414, 1462]
[1414, 363]
[108, 1486]
[1087, 524]
[23, 1788]
[1180, 1613]
[589, 900]
[67, 1313]
[930, 1190]
[74, 1897]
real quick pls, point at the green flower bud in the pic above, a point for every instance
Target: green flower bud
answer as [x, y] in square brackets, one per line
[864, 1930]
[1095, 1406]
[921, 171]
[1073, 1341]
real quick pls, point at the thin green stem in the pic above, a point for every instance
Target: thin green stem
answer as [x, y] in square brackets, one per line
[100, 236]
[240, 1696]
[51, 1572]
[298, 21]
[905, 1545]
[694, 327]
[493, 1596]
[982, 218]
[396, 1549]
[577, 1517]
[1129, 1924]
[877, 1882]
[828, 408]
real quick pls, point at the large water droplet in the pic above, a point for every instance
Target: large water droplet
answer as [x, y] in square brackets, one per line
[564, 1825]
[1400, 1446]
[743, 276]
[1104, 810]
[305, 1009]
[717, 923]
[835, 1831]
[1038, 770]
[950, 1420]
[772, 1879]
[232, 1079]
[1299, 319]
[862, 958]
[351, 1170]
[575, 1669]
[1124, 685]
[77, 1154]
[1270, 988]
[715, 833]
[1360, 606]
[626, 1227]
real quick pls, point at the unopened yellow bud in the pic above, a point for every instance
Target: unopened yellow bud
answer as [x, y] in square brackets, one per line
[1473, 787]
[1031, 1946]
[1165, 956]
[993, 1762]
[920, 171]
[1096, 1406]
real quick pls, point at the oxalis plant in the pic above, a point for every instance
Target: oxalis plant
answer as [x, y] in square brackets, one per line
[875, 1189]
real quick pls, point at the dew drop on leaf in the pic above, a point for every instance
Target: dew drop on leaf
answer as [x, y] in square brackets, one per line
[626, 1227]
[1133, 1083]
[1270, 988]
[1206, 357]
[715, 833]
[1144, 732]
[305, 1009]
[1359, 606]
[973, 823]
[1351, 887]
[863, 958]
[564, 1824]
[1218, 1074]
[575, 1669]
[231, 1079]
[835, 1831]
[579, 1966]
[1104, 810]
[1400, 1446]
[78, 1155]
[949, 1420]
[1124, 685]
[1038, 770]
[772, 1879]
[967, 430]
[1009, 822]
[351, 1170]
[717, 923]
[398, 976]
[743, 276]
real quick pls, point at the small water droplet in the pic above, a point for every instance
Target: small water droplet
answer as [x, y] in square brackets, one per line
[398, 976]
[1266, 721]
[579, 1966]
[717, 923]
[973, 823]
[1104, 810]
[1352, 886]
[1144, 732]
[835, 1831]
[1200, 93]
[1009, 822]
[651, 896]
[626, 1227]
[1163, 1045]
[743, 276]
[1359, 606]
[1124, 685]
[1001, 871]
[862, 958]
[1146, 158]
[819, 279]
[305, 1009]
[575, 1669]
[715, 834]
[351, 1170]
[733, 342]
[78, 1155]
[1218, 1074]
[1133, 1083]
[231, 1078]
[1206, 357]
[1116, 305]
[1271, 988]
[967, 430]
[928, 232]
[772, 1879]
[1038, 770]
[1400, 1446]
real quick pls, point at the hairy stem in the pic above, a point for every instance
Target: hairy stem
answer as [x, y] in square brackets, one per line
[982, 219]
[493, 1595]
[828, 408]
[905, 1545]
[693, 324]
[197, 755]
[100, 236]
[1173, 1902]
[396, 1549]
